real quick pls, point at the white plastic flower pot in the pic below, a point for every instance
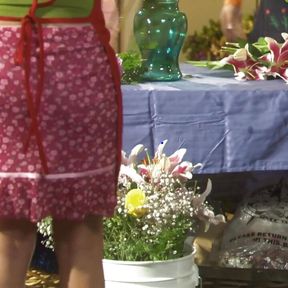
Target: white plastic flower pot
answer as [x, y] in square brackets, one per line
[175, 273]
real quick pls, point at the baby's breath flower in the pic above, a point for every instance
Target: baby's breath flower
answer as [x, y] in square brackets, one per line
[145, 227]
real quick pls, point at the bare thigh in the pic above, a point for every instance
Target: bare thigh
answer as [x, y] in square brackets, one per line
[79, 250]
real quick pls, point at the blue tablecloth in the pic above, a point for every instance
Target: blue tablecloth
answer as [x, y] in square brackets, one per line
[227, 125]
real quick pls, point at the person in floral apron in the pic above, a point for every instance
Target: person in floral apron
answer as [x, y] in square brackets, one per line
[271, 19]
[60, 136]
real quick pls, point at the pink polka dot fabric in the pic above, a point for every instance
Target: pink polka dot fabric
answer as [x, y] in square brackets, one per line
[77, 120]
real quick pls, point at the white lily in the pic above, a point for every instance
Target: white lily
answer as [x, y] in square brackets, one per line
[131, 160]
[164, 163]
[203, 213]
[160, 148]
[131, 173]
[197, 202]
[208, 217]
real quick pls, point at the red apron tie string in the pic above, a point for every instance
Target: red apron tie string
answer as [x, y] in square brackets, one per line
[98, 21]
[29, 24]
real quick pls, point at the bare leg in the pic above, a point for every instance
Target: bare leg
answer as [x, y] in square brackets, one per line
[17, 243]
[79, 249]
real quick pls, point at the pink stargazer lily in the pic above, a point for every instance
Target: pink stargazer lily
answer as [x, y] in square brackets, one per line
[176, 158]
[185, 169]
[248, 65]
[244, 65]
[277, 58]
[168, 163]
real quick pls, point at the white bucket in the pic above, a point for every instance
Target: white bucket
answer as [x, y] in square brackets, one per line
[175, 273]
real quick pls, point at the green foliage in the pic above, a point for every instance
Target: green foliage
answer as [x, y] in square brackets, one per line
[46, 229]
[255, 50]
[214, 65]
[131, 67]
[126, 240]
[205, 44]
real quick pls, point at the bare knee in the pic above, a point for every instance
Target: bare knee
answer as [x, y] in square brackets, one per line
[17, 231]
[78, 235]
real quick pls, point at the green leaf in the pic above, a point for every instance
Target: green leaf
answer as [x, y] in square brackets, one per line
[211, 64]
[132, 67]
[254, 51]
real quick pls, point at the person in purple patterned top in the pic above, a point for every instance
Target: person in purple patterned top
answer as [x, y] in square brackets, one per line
[271, 19]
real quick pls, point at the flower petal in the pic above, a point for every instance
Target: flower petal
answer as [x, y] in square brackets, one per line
[131, 173]
[160, 148]
[283, 58]
[198, 165]
[274, 47]
[134, 202]
[183, 170]
[216, 220]
[284, 36]
[240, 54]
[240, 76]
[143, 169]
[284, 46]
[134, 153]
[177, 156]
[284, 75]
[165, 164]
[124, 159]
[198, 201]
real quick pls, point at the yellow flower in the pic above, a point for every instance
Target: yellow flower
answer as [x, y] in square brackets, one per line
[134, 201]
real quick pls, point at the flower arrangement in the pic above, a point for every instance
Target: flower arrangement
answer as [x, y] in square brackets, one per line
[158, 204]
[258, 61]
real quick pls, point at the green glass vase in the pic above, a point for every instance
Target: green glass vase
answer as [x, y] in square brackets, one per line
[160, 30]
